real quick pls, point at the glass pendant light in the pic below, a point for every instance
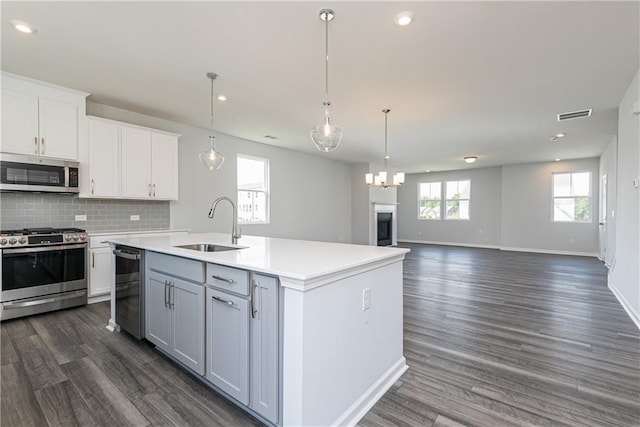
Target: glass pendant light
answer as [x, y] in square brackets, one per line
[326, 136]
[380, 180]
[211, 159]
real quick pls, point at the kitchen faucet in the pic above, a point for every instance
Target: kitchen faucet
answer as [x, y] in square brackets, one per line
[235, 233]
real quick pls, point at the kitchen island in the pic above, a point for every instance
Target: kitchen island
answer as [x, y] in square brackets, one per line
[338, 325]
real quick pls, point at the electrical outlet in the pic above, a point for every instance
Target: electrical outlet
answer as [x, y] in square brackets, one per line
[81, 217]
[366, 299]
[134, 217]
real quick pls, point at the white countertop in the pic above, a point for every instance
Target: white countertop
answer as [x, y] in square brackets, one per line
[295, 259]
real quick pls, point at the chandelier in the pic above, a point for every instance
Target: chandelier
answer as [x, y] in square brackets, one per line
[380, 180]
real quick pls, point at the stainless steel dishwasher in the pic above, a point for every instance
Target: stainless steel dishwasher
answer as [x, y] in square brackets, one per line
[130, 290]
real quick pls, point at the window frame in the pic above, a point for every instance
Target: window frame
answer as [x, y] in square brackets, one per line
[589, 198]
[439, 201]
[444, 190]
[266, 191]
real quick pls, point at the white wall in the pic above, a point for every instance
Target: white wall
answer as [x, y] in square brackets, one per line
[310, 195]
[359, 204]
[624, 275]
[483, 227]
[527, 209]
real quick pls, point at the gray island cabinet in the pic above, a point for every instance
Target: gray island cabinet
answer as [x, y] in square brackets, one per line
[297, 333]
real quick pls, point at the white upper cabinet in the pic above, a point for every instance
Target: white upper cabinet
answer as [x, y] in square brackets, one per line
[104, 158]
[164, 166]
[136, 163]
[130, 162]
[40, 119]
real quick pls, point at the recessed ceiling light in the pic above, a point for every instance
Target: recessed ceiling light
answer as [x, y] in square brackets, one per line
[403, 18]
[557, 137]
[470, 159]
[428, 170]
[23, 27]
[557, 160]
[222, 98]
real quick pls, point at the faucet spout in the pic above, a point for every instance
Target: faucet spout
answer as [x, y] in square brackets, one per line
[235, 232]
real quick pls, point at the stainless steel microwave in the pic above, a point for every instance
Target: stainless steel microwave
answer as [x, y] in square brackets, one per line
[38, 174]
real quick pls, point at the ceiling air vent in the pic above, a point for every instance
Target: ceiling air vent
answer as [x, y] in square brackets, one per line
[574, 115]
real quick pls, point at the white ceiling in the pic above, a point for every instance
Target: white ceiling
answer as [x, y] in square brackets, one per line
[465, 78]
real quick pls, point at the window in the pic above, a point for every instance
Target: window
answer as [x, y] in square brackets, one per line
[572, 197]
[429, 196]
[457, 201]
[253, 190]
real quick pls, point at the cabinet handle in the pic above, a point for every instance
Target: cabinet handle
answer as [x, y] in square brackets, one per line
[42, 146]
[172, 295]
[222, 279]
[251, 296]
[92, 185]
[224, 301]
[166, 286]
[154, 190]
[93, 260]
[149, 189]
[36, 141]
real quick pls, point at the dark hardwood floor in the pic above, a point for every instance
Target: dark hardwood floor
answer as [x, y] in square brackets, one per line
[496, 338]
[491, 338]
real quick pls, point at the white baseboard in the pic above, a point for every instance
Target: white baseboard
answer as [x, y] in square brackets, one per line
[549, 251]
[627, 307]
[99, 298]
[466, 245]
[364, 403]
[502, 248]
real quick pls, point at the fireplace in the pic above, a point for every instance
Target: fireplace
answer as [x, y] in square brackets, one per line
[385, 228]
[383, 224]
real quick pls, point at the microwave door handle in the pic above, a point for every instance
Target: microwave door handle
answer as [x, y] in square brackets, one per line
[42, 249]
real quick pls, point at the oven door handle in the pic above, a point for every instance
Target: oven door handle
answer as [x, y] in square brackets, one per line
[126, 255]
[42, 249]
[21, 304]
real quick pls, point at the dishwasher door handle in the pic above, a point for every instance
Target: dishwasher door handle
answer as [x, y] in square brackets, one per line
[126, 255]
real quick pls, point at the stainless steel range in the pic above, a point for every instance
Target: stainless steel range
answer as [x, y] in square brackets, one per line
[43, 269]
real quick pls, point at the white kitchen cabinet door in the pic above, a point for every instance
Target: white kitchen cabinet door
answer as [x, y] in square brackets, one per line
[19, 123]
[99, 271]
[164, 166]
[58, 128]
[264, 347]
[104, 159]
[135, 151]
[158, 316]
[187, 305]
[228, 343]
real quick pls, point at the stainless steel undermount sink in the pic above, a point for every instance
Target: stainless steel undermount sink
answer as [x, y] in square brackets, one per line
[209, 247]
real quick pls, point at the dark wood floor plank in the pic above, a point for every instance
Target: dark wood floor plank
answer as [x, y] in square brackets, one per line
[18, 404]
[7, 351]
[109, 405]
[59, 335]
[63, 406]
[40, 366]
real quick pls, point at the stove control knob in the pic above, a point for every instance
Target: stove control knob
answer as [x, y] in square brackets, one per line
[12, 241]
[22, 240]
[3, 241]
[83, 237]
[75, 237]
[67, 237]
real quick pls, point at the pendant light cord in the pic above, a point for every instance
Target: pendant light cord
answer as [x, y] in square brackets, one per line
[211, 99]
[326, 60]
[386, 155]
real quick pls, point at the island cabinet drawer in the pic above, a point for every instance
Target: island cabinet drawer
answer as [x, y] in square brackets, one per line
[229, 278]
[176, 266]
